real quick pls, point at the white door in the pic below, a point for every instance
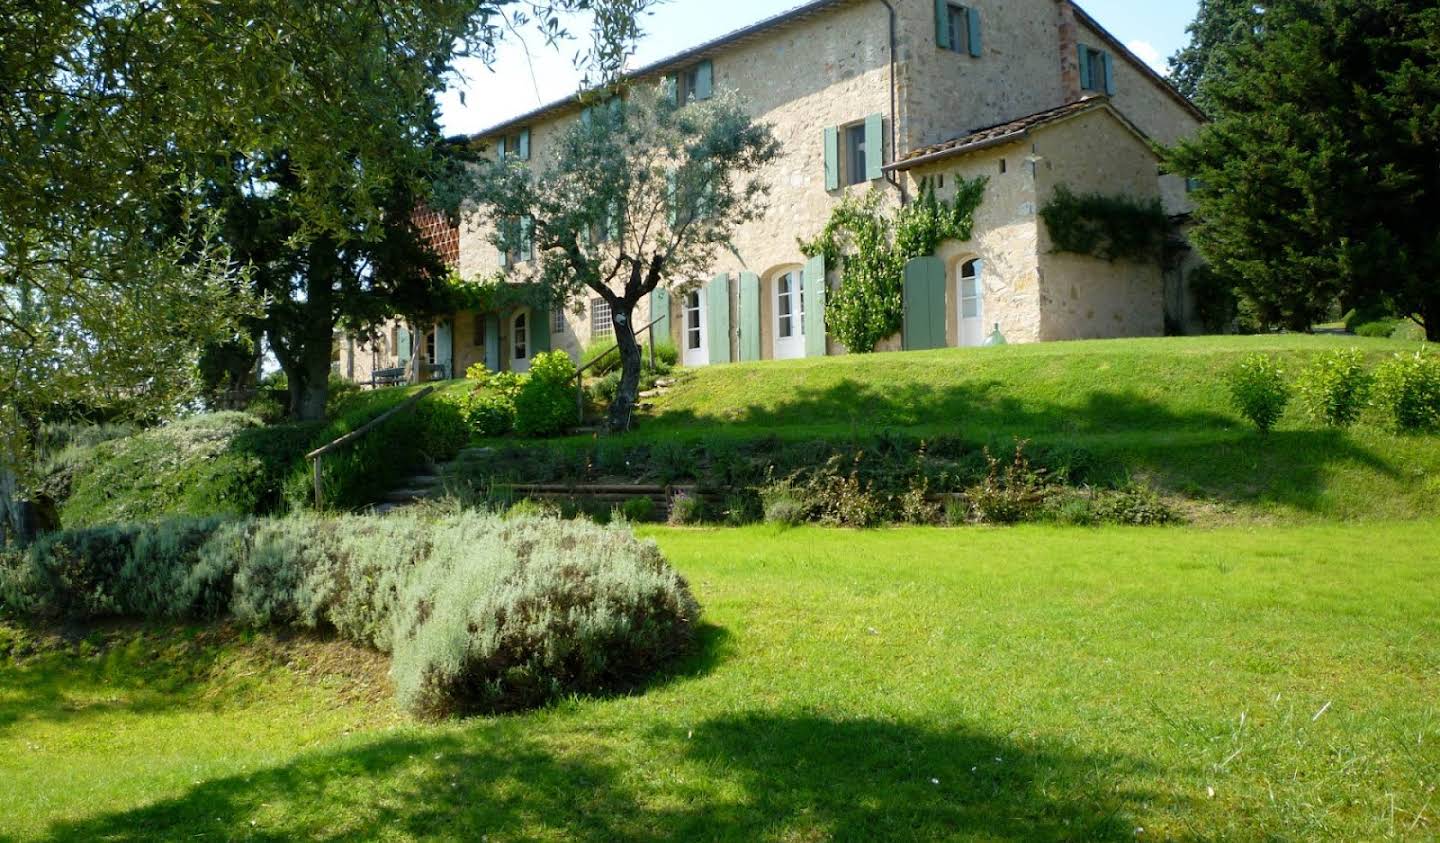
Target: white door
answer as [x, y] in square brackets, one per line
[696, 351]
[790, 315]
[520, 342]
[971, 303]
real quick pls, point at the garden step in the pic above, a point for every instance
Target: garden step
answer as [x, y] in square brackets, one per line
[410, 495]
[424, 481]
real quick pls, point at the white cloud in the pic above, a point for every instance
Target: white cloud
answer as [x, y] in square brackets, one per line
[1151, 56]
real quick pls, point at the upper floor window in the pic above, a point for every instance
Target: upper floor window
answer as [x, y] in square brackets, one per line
[855, 153]
[600, 322]
[957, 28]
[1097, 71]
[696, 82]
[519, 239]
[516, 145]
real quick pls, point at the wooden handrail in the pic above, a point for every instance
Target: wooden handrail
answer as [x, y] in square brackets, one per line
[580, 372]
[358, 432]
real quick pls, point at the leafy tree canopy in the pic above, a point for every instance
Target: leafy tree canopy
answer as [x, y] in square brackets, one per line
[640, 193]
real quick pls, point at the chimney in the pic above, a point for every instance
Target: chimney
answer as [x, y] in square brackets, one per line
[1069, 51]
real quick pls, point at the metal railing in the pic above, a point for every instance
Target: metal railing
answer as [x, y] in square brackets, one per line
[316, 455]
[648, 330]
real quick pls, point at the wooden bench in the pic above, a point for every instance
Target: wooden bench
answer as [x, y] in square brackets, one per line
[400, 375]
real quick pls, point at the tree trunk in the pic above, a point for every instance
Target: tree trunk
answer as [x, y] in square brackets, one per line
[623, 406]
[307, 365]
[1431, 316]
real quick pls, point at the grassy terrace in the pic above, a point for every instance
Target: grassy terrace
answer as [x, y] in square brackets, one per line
[1030, 683]
[1155, 408]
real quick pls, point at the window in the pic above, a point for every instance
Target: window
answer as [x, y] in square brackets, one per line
[516, 145]
[696, 82]
[430, 346]
[970, 290]
[957, 21]
[957, 28]
[1097, 71]
[557, 321]
[1192, 185]
[790, 304]
[1003, 167]
[855, 154]
[692, 321]
[517, 339]
[600, 324]
[478, 330]
[518, 236]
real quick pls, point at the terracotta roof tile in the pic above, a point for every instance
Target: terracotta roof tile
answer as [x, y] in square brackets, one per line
[997, 134]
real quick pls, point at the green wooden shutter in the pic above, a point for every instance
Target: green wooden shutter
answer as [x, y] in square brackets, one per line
[522, 150]
[749, 316]
[539, 330]
[671, 87]
[814, 280]
[832, 158]
[874, 147]
[492, 341]
[942, 25]
[976, 42]
[660, 309]
[704, 80]
[1109, 75]
[717, 317]
[923, 324]
[1084, 67]
[500, 149]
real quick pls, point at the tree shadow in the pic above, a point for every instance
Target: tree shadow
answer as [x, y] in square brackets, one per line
[740, 777]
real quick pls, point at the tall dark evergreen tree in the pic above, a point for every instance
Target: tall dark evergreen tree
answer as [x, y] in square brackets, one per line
[1218, 26]
[1318, 175]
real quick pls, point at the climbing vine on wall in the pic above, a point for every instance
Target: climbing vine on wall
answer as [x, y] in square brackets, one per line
[871, 250]
[1111, 228]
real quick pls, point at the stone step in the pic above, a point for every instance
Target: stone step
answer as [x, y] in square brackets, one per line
[410, 495]
[424, 481]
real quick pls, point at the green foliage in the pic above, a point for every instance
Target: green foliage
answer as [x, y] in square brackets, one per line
[1407, 387]
[1216, 303]
[1319, 158]
[481, 614]
[479, 373]
[1133, 504]
[489, 413]
[1259, 391]
[871, 251]
[1011, 492]
[685, 510]
[1111, 228]
[1336, 387]
[1379, 329]
[545, 404]
[638, 510]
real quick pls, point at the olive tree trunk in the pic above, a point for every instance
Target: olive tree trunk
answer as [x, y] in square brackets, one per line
[623, 407]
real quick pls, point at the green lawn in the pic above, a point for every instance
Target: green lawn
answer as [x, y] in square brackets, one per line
[1033, 683]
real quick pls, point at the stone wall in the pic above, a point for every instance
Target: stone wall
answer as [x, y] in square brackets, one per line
[1084, 297]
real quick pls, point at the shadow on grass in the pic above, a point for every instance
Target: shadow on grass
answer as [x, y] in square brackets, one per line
[741, 777]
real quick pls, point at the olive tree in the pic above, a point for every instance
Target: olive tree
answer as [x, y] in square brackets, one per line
[638, 194]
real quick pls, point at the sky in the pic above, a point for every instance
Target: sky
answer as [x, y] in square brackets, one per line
[530, 74]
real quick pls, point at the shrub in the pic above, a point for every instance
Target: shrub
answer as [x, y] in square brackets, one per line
[1011, 492]
[1407, 387]
[1379, 329]
[917, 508]
[1133, 503]
[488, 413]
[545, 404]
[638, 509]
[1336, 388]
[685, 509]
[517, 614]
[479, 373]
[479, 613]
[667, 356]
[1258, 390]
[784, 508]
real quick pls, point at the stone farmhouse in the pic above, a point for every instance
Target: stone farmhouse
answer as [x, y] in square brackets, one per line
[878, 95]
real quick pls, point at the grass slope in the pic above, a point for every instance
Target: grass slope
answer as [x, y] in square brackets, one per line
[1158, 408]
[1033, 683]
